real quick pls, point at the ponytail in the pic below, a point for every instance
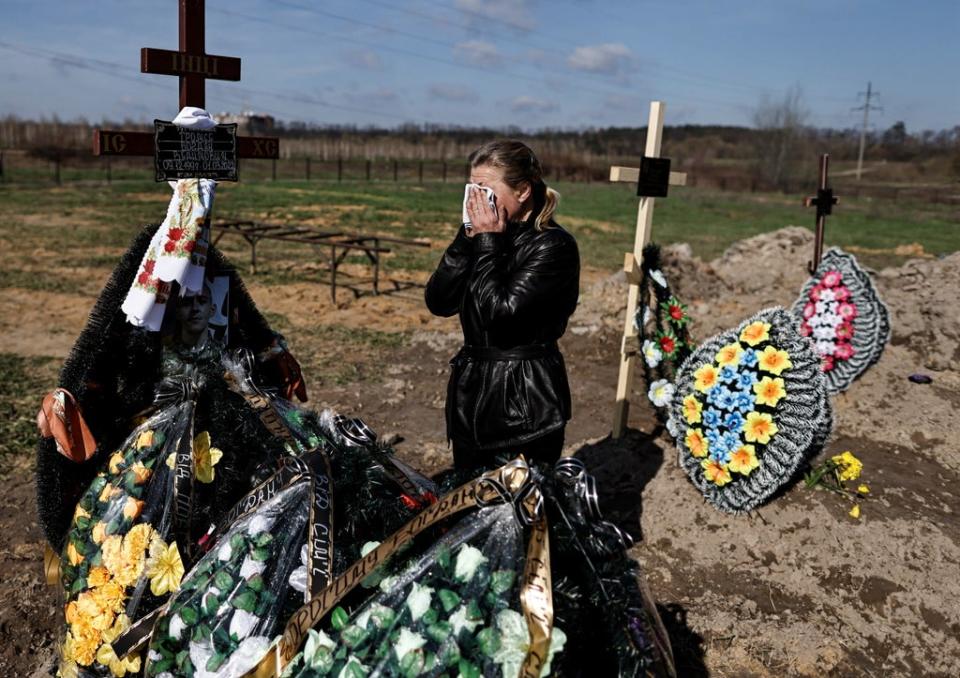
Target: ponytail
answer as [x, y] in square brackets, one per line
[551, 199]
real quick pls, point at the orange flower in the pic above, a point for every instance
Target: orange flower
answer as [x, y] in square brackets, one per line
[692, 409]
[132, 508]
[109, 597]
[70, 612]
[755, 332]
[696, 443]
[73, 555]
[715, 472]
[140, 473]
[80, 513]
[86, 640]
[729, 355]
[108, 492]
[98, 576]
[145, 439]
[116, 461]
[774, 360]
[744, 460]
[769, 391]
[706, 378]
[759, 428]
[99, 532]
[111, 552]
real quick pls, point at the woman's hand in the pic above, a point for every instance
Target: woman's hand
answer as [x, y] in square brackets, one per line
[483, 217]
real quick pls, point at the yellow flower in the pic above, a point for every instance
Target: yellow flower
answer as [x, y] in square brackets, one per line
[132, 508]
[116, 461]
[759, 428]
[107, 656]
[729, 355]
[108, 492]
[755, 332]
[855, 511]
[166, 568]
[98, 576]
[706, 378]
[849, 466]
[141, 473]
[744, 460]
[145, 439]
[99, 532]
[774, 360]
[86, 640]
[696, 443]
[80, 513]
[769, 391]
[172, 460]
[133, 554]
[692, 409]
[109, 597]
[68, 667]
[92, 613]
[863, 489]
[715, 472]
[204, 457]
[111, 553]
[73, 555]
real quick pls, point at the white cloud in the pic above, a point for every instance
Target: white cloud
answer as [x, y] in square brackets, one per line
[609, 58]
[452, 92]
[363, 58]
[513, 13]
[478, 53]
[527, 104]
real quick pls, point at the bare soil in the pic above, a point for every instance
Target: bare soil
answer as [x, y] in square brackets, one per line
[798, 588]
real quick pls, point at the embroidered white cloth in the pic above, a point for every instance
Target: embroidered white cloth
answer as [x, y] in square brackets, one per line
[178, 250]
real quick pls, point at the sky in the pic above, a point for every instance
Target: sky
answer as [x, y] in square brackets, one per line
[496, 63]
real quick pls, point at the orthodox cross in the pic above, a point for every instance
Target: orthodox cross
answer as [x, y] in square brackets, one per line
[194, 66]
[653, 178]
[824, 202]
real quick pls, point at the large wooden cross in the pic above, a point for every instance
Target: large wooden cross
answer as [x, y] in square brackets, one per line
[652, 178]
[194, 66]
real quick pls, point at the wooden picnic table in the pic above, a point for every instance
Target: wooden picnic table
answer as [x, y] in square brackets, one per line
[341, 244]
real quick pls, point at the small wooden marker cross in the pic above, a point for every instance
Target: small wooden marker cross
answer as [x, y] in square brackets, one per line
[194, 66]
[824, 202]
[653, 178]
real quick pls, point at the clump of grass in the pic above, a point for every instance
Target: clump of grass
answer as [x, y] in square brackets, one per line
[22, 384]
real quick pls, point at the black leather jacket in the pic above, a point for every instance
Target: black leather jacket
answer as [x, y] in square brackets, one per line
[514, 292]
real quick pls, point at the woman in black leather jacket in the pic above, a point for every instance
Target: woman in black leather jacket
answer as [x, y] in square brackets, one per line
[514, 279]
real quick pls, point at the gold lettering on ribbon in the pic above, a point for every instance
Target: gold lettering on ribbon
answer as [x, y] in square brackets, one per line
[536, 600]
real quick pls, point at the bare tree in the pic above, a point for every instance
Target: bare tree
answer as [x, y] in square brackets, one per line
[781, 124]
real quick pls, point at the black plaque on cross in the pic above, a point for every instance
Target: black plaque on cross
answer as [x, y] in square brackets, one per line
[194, 67]
[654, 178]
[824, 202]
[183, 153]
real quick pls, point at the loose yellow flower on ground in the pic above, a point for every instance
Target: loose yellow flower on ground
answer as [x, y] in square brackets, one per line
[205, 457]
[729, 355]
[696, 443]
[855, 511]
[769, 391]
[755, 332]
[863, 489]
[145, 439]
[744, 460]
[166, 568]
[849, 466]
[715, 472]
[692, 409]
[774, 360]
[73, 555]
[759, 428]
[116, 461]
[706, 378]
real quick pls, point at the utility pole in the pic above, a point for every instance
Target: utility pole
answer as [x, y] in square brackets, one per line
[866, 108]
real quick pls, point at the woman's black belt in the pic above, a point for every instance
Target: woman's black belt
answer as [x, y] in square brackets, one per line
[522, 352]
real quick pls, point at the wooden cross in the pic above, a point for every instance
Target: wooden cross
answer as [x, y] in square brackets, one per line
[194, 66]
[653, 178]
[824, 202]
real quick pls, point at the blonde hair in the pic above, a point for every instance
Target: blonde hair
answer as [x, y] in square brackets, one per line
[520, 165]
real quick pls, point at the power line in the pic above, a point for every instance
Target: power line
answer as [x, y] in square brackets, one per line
[866, 108]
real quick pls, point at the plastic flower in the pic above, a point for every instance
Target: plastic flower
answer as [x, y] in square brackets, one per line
[696, 443]
[116, 461]
[462, 619]
[668, 343]
[831, 279]
[774, 360]
[711, 418]
[726, 399]
[746, 379]
[132, 508]
[98, 576]
[205, 457]
[844, 331]
[74, 557]
[809, 310]
[769, 391]
[729, 355]
[676, 311]
[827, 364]
[165, 568]
[715, 472]
[855, 511]
[408, 642]
[651, 354]
[848, 466]
[749, 358]
[863, 489]
[419, 600]
[847, 311]
[727, 374]
[760, 428]
[843, 351]
[755, 332]
[743, 460]
[145, 439]
[106, 656]
[109, 492]
[318, 651]
[468, 560]
[692, 409]
[658, 278]
[805, 329]
[734, 422]
[841, 293]
[515, 643]
[706, 378]
[661, 392]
